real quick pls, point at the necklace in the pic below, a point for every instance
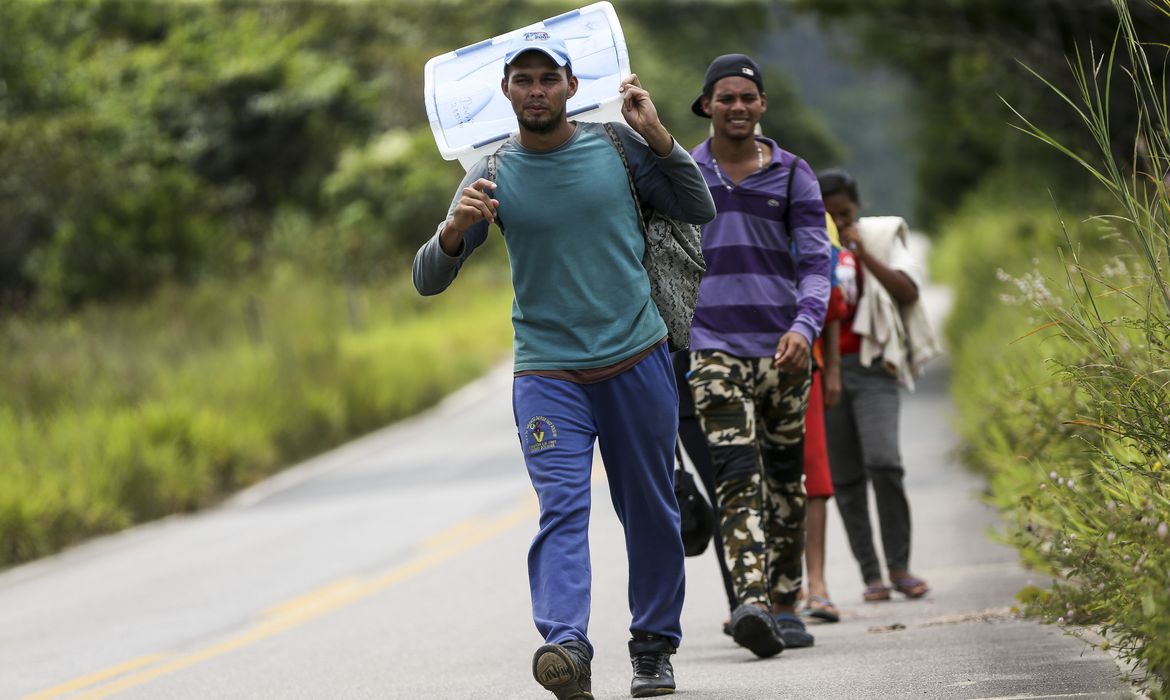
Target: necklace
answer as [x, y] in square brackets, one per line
[719, 173]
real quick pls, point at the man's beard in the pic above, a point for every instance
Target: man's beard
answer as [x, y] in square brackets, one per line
[538, 125]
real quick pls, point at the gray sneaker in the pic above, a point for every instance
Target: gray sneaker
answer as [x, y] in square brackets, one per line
[563, 670]
[793, 631]
[755, 628]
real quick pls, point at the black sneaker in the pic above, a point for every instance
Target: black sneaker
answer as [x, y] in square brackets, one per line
[793, 631]
[650, 657]
[563, 669]
[755, 628]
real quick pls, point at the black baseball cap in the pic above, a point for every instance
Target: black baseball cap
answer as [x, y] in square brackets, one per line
[726, 66]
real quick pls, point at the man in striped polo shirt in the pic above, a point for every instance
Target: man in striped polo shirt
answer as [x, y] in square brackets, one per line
[761, 305]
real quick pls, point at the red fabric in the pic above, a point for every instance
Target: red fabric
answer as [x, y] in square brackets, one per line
[838, 307]
[818, 483]
[847, 268]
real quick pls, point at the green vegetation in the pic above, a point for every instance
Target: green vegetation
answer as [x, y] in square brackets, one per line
[959, 55]
[208, 214]
[208, 210]
[128, 413]
[1060, 368]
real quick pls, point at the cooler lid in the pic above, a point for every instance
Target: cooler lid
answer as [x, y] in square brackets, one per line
[468, 112]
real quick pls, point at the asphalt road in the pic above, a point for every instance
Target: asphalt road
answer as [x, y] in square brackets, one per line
[394, 567]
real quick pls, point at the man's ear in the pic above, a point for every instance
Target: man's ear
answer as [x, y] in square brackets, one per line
[763, 102]
[705, 104]
[573, 86]
[504, 87]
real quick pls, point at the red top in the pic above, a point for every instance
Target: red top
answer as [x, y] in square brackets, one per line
[849, 281]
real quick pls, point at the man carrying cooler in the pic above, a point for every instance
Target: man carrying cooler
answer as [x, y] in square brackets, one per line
[590, 352]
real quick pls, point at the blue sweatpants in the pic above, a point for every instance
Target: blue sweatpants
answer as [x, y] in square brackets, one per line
[634, 418]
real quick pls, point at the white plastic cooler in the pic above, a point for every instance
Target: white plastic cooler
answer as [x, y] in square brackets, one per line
[468, 112]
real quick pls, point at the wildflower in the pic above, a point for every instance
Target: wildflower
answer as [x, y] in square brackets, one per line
[1052, 475]
[1116, 268]
[1060, 620]
[1110, 537]
[1069, 483]
[1163, 529]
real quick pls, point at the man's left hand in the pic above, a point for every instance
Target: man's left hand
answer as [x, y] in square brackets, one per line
[792, 353]
[641, 114]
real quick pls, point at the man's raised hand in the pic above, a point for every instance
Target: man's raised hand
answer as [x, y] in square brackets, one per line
[474, 205]
[641, 114]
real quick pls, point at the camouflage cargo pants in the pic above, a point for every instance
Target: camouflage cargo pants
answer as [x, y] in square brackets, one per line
[753, 416]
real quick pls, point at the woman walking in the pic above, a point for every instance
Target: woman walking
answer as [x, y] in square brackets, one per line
[883, 341]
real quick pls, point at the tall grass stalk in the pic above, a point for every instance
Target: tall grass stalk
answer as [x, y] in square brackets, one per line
[1092, 508]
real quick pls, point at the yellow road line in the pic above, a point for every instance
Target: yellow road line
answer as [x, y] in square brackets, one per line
[446, 545]
[97, 677]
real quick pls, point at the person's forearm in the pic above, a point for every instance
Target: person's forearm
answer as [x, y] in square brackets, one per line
[451, 238]
[813, 287]
[684, 193]
[896, 282]
[659, 140]
[832, 336]
[435, 267]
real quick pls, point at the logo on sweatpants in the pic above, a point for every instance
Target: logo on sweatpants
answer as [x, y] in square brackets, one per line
[540, 434]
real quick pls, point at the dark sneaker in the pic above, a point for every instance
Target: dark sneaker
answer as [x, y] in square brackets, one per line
[650, 657]
[793, 631]
[563, 669]
[755, 628]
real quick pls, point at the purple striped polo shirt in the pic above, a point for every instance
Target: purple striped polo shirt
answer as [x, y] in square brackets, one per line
[762, 279]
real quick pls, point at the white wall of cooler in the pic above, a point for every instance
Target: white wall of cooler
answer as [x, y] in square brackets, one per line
[468, 112]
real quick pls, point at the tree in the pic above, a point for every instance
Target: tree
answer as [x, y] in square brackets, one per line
[961, 54]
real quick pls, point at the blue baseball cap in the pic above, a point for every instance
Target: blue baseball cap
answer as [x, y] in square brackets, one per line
[539, 40]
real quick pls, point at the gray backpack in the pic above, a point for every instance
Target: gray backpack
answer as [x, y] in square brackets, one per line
[673, 261]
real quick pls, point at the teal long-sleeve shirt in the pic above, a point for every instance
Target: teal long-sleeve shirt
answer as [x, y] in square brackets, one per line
[575, 244]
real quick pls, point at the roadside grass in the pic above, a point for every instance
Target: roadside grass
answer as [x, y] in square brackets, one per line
[1061, 341]
[119, 415]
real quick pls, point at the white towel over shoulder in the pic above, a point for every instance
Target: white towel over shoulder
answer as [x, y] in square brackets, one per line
[901, 335]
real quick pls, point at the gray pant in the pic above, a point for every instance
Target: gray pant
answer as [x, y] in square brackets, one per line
[862, 432]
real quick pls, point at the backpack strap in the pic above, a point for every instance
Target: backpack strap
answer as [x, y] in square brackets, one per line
[617, 143]
[493, 170]
[788, 202]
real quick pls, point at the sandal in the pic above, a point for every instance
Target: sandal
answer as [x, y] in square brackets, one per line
[911, 587]
[876, 592]
[822, 609]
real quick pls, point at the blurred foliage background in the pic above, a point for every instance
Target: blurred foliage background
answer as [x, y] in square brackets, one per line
[208, 210]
